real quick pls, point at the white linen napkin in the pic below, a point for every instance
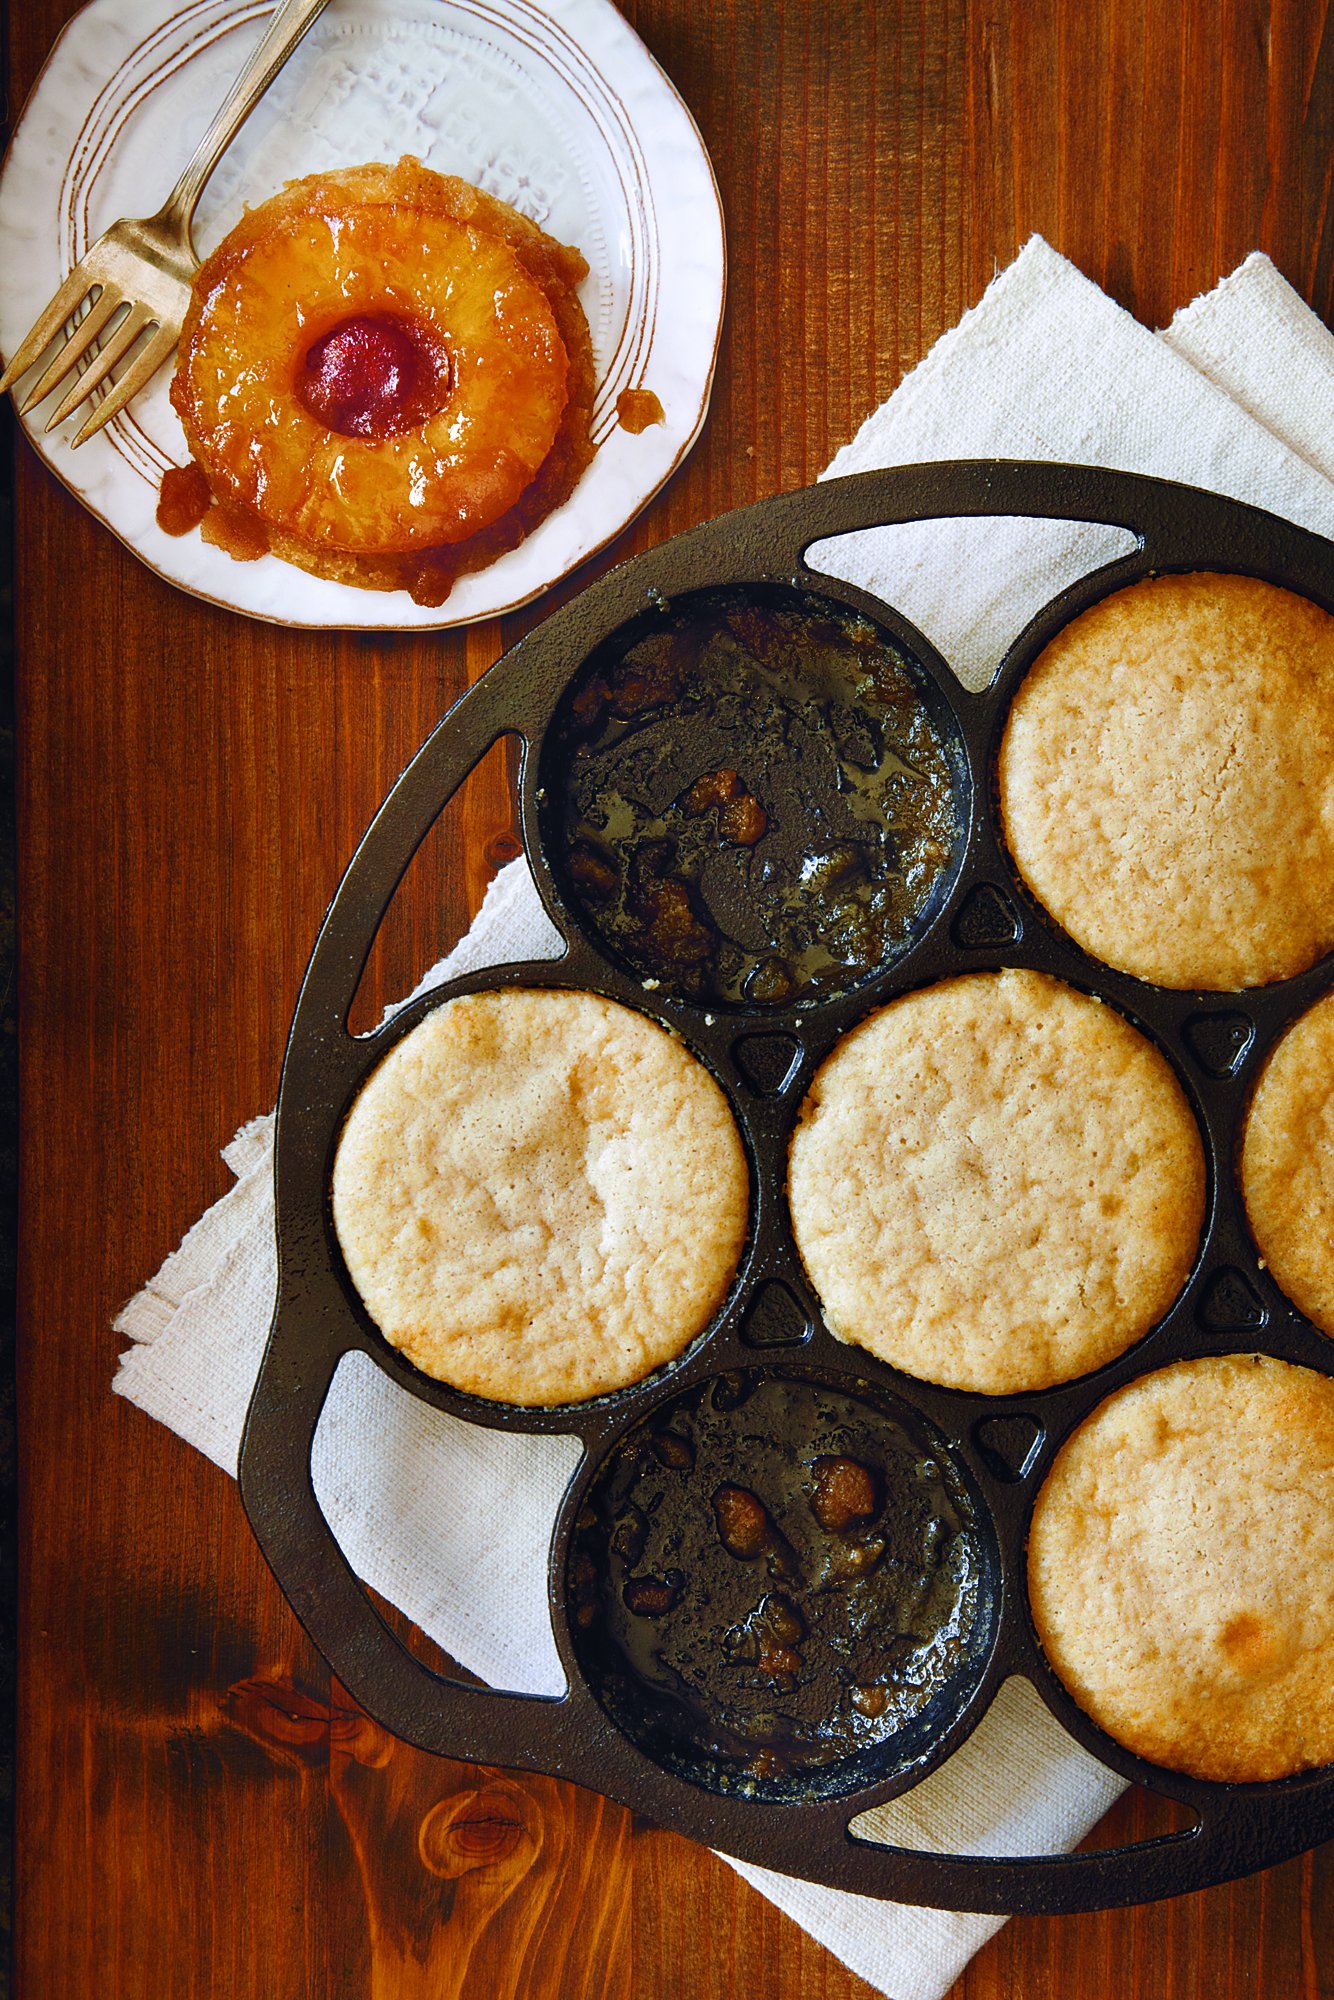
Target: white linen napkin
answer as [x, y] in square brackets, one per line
[1237, 395]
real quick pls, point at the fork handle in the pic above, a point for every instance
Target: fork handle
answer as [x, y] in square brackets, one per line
[289, 23]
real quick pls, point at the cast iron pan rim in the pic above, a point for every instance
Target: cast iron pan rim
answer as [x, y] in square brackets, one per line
[1240, 1827]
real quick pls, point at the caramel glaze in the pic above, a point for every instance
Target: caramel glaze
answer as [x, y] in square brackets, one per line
[428, 575]
[184, 498]
[636, 409]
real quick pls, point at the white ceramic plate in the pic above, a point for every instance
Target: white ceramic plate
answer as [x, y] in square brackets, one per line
[558, 109]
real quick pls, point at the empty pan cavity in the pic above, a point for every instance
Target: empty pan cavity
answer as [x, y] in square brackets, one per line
[781, 1586]
[754, 797]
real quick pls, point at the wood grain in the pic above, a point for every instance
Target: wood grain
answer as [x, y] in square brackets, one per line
[202, 1812]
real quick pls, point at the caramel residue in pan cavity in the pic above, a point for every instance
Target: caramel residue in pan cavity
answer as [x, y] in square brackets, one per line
[767, 1639]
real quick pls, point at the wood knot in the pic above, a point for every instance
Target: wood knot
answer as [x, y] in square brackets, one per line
[501, 847]
[301, 1728]
[489, 1827]
[280, 1715]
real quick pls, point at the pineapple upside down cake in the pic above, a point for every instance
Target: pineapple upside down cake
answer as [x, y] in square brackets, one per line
[385, 376]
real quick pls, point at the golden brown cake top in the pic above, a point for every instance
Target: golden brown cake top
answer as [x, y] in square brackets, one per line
[1167, 781]
[540, 1196]
[996, 1183]
[1287, 1163]
[1181, 1567]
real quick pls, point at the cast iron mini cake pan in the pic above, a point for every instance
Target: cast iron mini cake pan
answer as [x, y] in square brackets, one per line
[985, 1456]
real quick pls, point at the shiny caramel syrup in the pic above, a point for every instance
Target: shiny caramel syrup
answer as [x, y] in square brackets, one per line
[387, 379]
[636, 409]
[771, 1579]
[183, 499]
[752, 801]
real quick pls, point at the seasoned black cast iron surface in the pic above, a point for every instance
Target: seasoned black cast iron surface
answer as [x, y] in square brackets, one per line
[749, 800]
[779, 1589]
[689, 1728]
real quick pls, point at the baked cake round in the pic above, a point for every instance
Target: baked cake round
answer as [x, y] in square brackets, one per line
[381, 365]
[1181, 1567]
[996, 1183]
[1287, 1163]
[1167, 781]
[540, 1196]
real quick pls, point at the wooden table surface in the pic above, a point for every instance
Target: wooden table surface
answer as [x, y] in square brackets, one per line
[197, 1814]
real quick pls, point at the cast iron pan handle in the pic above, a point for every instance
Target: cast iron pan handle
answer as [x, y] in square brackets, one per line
[473, 1723]
[478, 1723]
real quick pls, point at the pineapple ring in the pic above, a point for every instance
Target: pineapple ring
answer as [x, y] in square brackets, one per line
[456, 287]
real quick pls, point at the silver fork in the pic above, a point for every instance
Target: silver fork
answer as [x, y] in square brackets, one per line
[141, 269]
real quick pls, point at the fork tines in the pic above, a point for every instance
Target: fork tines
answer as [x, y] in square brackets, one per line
[105, 301]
